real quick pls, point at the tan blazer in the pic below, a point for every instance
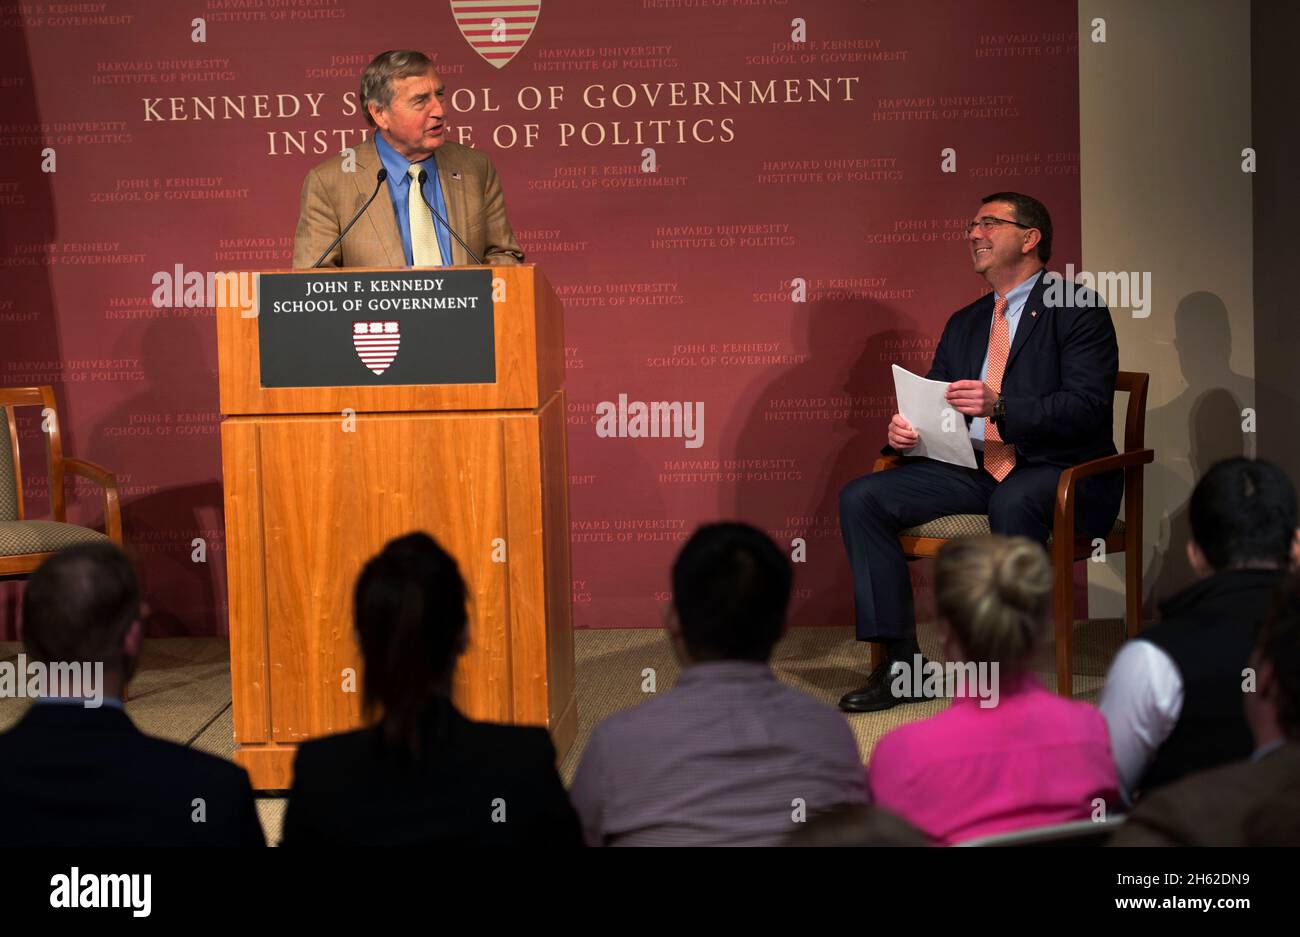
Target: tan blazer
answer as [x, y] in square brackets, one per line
[476, 209]
[1246, 803]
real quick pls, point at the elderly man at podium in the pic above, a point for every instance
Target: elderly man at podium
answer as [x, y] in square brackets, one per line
[445, 204]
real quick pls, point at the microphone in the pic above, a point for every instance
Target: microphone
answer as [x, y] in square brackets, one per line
[380, 177]
[424, 175]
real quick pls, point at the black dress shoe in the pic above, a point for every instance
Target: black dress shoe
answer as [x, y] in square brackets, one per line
[878, 694]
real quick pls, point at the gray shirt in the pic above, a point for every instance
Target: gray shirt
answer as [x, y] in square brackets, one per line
[728, 757]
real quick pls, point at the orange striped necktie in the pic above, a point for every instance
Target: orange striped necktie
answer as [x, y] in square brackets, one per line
[999, 456]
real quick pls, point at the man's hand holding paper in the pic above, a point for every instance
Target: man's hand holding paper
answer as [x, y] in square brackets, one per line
[926, 409]
[973, 398]
[902, 434]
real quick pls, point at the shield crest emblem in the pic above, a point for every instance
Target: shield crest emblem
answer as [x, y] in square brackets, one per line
[376, 343]
[496, 29]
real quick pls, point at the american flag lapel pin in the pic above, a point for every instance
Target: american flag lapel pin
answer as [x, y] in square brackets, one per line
[456, 175]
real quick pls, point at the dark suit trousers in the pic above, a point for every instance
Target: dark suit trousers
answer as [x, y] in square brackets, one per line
[875, 508]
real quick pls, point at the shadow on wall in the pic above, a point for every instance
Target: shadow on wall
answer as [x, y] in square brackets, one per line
[842, 362]
[1211, 413]
[28, 291]
[159, 526]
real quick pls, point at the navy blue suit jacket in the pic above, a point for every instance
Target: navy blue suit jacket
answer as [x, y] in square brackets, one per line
[76, 777]
[349, 791]
[1059, 382]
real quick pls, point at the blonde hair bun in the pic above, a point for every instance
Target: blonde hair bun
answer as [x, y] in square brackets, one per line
[995, 593]
[1021, 576]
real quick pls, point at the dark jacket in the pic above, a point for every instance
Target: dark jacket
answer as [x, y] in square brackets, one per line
[1247, 803]
[1208, 631]
[474, 784]
[71, 776]
[1059, 382]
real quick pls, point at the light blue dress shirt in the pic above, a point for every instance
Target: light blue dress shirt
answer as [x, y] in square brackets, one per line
[1015, 298]
[399, 187]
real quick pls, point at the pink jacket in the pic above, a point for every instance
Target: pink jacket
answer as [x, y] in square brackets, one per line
[1032, 760]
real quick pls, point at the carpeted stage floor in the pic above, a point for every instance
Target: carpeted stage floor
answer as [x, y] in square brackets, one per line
[182, 690]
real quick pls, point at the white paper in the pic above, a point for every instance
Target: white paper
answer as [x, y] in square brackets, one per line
[921, 402]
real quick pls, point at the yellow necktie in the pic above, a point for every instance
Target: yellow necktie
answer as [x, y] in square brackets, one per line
[424, 239]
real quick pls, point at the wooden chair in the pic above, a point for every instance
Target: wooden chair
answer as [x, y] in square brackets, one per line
[25, 544]
[924, 540]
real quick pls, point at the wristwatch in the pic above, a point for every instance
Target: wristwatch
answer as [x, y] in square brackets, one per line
[999, 409]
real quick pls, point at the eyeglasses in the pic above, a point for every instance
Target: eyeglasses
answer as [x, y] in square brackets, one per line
[988, 222]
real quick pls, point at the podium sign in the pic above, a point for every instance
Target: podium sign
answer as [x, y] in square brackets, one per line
[368, 327]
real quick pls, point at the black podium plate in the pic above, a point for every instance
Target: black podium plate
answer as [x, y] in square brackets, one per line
[352, 328]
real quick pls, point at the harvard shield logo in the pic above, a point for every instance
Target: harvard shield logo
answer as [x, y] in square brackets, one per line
[376, 343]
[496, 29]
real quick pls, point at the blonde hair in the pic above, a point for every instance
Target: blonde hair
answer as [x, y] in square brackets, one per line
[995, 593]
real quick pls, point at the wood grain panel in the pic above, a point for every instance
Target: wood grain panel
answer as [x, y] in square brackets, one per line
[269, 767]
[549, 332]
[527, 585]
[540, 578]
[558, 575]
[250, 684]
[391, 476]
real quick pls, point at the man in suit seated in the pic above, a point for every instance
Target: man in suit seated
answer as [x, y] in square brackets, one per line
[1034, 377]
[402, 98]
[1251, 802]
[1173, 695]
[75, 771]
[730, 756]
[422, 774]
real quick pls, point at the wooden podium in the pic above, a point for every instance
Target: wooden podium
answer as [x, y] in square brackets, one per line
[318, 479]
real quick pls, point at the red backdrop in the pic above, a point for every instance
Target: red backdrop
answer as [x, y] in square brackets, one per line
[678, 283]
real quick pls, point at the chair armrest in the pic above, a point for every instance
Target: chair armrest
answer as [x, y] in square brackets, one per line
[108, 481]
[885, 462]
[1076, 473]
[1070, 478]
